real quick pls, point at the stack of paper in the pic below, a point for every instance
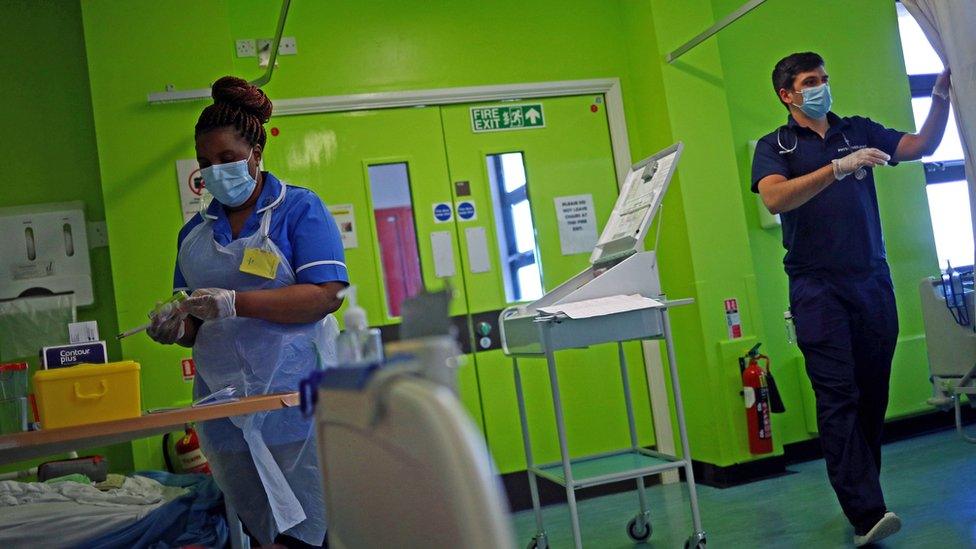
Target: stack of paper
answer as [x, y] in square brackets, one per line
[602, 306]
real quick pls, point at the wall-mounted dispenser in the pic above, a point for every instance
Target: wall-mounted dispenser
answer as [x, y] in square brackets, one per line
[44, 249]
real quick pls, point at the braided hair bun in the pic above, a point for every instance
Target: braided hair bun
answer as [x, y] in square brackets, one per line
[240, 105]
[238, 92]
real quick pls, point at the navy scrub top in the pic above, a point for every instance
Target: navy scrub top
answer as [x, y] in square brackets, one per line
[838, 232]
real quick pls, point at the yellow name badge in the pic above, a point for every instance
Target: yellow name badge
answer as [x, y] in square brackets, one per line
[260, 262]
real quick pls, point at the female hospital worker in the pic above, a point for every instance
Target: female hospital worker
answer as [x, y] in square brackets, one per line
[264, 263]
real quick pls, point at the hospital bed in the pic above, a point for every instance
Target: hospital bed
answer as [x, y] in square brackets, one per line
[35, 444]
[947, 303]
[148, 509]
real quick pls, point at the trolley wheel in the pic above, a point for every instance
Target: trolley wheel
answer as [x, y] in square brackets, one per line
[696, 541]
[539, 541]
[639, 529]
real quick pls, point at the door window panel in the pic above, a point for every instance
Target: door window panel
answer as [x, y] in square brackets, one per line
[389, 186]
[516, 230]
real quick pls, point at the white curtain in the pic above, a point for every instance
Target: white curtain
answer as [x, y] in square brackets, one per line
[950, 25]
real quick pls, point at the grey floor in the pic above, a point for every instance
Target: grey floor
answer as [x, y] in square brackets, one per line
[930, 481]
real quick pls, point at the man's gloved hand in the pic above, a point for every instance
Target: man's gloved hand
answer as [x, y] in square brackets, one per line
[942, 83]
[211, 304]
[861, 158]
[166, 326]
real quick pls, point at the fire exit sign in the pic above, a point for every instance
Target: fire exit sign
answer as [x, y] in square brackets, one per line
[507, 117]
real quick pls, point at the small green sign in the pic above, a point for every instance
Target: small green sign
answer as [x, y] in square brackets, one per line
[498, 118]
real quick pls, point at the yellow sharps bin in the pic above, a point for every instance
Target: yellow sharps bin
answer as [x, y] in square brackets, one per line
[87, 393]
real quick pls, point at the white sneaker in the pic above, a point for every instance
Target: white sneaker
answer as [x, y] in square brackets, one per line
[888, 525]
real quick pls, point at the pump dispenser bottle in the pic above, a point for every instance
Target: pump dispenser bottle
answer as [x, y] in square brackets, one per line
[357, 343]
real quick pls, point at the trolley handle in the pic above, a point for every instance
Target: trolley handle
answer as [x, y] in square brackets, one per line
[506, 312]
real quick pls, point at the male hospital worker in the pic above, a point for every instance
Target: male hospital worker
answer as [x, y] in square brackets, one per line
[816, 171]
[265, 263]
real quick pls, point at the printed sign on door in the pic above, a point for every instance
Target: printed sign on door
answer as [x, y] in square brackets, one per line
[345, 220]
[466, 210]
[442, 212]
[495, 118]
[577, 223]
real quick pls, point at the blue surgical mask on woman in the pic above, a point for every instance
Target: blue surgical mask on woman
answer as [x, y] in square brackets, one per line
[230, 183]
[816, 101]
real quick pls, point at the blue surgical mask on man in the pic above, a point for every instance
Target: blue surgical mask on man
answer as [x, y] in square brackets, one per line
[816, 101]
[230, 183]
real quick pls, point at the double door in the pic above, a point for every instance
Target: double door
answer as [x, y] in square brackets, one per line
[455, 195]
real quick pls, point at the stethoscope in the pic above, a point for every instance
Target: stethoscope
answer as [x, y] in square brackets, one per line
[861, 173]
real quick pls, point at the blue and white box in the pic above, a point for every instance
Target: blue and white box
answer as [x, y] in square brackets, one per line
[68, 355]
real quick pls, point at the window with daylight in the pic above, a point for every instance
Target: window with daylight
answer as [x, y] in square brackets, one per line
[945, 172]
[516, 231]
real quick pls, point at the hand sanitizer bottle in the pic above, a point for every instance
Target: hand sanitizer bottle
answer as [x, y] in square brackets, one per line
[358, 342]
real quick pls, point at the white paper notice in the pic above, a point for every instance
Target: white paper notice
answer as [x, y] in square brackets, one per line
[192, 195]
[603, 306]
[443, 247]
[346, 221]
[577, 223]
[477, 249]
[83, 332]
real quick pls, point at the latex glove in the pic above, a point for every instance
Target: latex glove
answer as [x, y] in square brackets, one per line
[166, 326]
[861, 158]
[211, 304]
[942, 84]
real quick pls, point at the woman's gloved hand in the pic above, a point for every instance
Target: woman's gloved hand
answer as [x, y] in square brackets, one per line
[166, 326]
[861, 158]
[211, 304]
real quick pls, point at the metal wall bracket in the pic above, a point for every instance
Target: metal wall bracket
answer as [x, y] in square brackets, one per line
[171, 96]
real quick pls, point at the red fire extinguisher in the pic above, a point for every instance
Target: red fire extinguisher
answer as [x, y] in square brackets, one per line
[756, 394]
[188, 453]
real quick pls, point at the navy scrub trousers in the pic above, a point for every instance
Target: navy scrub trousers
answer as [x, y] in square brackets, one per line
[842, 300]
[847, 330]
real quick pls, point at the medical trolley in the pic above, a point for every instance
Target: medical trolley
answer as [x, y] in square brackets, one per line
[617, 299]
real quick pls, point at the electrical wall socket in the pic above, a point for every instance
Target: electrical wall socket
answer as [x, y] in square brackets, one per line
[97, 233]
[287, 46]
[246, 48]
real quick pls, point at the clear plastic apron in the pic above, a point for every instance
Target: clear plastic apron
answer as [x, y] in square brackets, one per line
[265, 463]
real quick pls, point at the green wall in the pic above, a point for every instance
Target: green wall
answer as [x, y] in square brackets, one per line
[878, 89]
[344, 47]
[51, 153]
[715, 99]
